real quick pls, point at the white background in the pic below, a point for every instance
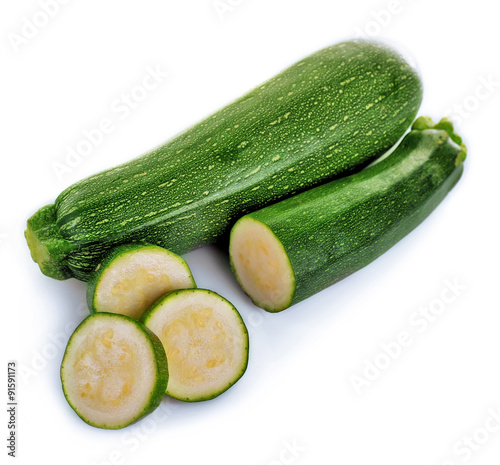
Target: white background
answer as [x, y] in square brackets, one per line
[297, 402]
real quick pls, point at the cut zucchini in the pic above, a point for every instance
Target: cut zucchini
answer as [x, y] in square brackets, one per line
[289, 251]
[114, 371]
[261, 264]
[133, 276]
[205, 339]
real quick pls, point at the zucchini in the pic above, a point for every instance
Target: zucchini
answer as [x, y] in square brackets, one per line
[205, 339]
[329, 114]
[132, 276]
[293, 249]
[114, 371]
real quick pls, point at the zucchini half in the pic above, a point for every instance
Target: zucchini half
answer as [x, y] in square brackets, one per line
[289, 251]
[114, 371]
[205, 339]
[133, 276]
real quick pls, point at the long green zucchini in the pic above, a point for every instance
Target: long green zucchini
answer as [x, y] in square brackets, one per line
[293, 249]
[329, 114]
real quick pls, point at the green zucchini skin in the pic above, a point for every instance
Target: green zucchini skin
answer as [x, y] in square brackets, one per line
[335, 229]
[327, 115]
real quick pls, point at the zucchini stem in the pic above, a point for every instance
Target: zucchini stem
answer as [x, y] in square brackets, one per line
[47, 247]
[425, 122]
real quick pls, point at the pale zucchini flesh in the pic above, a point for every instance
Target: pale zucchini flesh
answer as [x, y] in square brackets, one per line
[114, 371]
[206, 342]
[132, 277]
[261, 264]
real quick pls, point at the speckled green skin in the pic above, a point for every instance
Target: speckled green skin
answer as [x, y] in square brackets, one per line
[338, 228]
[329, 114]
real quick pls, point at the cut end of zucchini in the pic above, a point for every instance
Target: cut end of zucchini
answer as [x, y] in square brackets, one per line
[114, 371]
[47, 247]
[133, 276]
[206, 342]
[261, 265]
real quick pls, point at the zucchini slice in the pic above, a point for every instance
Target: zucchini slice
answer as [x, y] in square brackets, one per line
[205, 339]
[133, 276]
[114, 371]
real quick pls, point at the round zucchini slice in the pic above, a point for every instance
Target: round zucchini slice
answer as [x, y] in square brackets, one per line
[133, 276]
[114, 371]
[261, 265]
[205, 339]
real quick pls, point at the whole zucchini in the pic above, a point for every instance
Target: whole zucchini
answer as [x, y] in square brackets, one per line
[329, 114]
[293, 249]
